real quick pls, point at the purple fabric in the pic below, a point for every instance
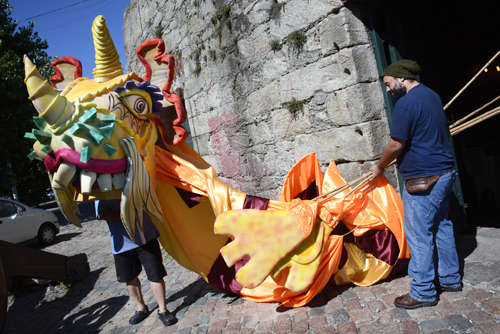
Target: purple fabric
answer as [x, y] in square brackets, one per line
[191, 199]
[222, 277]
[343, 258]
[399, 265]
[311, 192]
[380, 243]
[254, 202]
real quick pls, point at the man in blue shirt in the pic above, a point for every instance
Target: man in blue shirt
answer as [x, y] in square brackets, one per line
[420, 141]
[130, 256]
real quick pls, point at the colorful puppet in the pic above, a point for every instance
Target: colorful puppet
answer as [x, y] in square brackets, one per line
[121, 136]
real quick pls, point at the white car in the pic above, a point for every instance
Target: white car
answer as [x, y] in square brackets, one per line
[20, 223]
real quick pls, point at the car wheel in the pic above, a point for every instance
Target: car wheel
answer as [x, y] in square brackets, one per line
[46, 234]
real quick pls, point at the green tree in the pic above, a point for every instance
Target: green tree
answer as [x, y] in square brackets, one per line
[17, 111]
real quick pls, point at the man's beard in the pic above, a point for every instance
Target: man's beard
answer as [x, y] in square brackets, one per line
[398, 91]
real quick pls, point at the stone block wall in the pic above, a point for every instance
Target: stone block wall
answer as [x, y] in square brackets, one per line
[265, 83]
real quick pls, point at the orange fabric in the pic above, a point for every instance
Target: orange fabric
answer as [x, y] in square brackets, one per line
[181, 167]
[271, 291]
[374, 206]
[300, 176]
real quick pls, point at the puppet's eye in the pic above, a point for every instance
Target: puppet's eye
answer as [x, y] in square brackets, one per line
[141, 106]
[138, 105]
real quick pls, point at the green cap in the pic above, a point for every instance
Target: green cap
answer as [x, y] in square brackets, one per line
[404, 68]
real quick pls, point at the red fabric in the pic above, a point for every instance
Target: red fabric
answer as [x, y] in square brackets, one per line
[53, 160]
[254, 202]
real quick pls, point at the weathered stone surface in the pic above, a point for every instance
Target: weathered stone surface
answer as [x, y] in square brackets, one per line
[300, 14]
[459, 323]
[399, 313]
[340, 316]
[433, 325]
[236, 88]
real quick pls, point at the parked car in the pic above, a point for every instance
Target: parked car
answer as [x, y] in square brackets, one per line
[20, 223]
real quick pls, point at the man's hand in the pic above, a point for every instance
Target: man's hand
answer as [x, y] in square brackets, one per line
[377, 171]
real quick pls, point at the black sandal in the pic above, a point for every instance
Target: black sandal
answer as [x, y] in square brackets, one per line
[139, 316]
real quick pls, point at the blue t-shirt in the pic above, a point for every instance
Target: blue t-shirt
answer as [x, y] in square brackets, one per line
[419, 119]
[120, 240]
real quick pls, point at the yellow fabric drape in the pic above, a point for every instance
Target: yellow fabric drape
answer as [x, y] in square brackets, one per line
[361, 268]
[188, 234]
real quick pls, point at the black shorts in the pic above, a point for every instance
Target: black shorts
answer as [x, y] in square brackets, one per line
[129, 264]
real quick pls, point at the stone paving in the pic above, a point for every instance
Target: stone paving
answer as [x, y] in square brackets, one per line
[100, 304]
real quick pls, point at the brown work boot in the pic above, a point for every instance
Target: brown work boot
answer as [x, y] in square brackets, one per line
[407, 302]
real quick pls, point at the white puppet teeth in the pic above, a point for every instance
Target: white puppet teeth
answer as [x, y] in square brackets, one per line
[87, 180]
[63, 176]
[66, 172]
[118, 180]
[105, 183]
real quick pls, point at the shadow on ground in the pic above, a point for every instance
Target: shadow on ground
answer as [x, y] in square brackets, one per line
[31, 313]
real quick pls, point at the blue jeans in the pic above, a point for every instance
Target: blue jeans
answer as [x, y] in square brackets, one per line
[430, 236]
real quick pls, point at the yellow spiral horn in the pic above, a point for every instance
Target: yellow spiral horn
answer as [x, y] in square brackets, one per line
[51, 106]
[107, 60]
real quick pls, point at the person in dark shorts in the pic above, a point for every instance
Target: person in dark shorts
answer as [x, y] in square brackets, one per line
[130, 256]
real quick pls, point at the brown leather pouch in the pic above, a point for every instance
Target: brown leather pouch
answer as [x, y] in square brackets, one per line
[420, 184]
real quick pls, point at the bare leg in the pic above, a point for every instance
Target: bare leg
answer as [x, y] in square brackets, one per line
[134, 288]
[159, 292]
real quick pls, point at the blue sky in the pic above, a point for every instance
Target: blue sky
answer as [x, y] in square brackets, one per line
[68, 30]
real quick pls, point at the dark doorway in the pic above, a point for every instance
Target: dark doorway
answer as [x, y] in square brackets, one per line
[452, 41]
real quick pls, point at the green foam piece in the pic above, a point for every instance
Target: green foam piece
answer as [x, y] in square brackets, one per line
[42, 136]
[110, 150]
[29, 135]
[78, 127]
[68, 140]
[86, 152]
[95, 137]
[107, 130]
[32, 155]
[39, 122]
[89, 115]
[108, 118]
[46, 149]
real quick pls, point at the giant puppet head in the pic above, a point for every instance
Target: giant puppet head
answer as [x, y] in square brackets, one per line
[96, 136]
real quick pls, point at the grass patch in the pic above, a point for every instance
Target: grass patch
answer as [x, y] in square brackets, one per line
[275, 45]
[212, 54]
[197, 69]
[297, 39]
[295, 107]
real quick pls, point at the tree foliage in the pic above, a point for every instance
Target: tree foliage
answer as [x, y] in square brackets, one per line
[17, 111]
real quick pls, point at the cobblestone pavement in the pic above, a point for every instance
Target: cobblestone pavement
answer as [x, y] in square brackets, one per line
[100, 304]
